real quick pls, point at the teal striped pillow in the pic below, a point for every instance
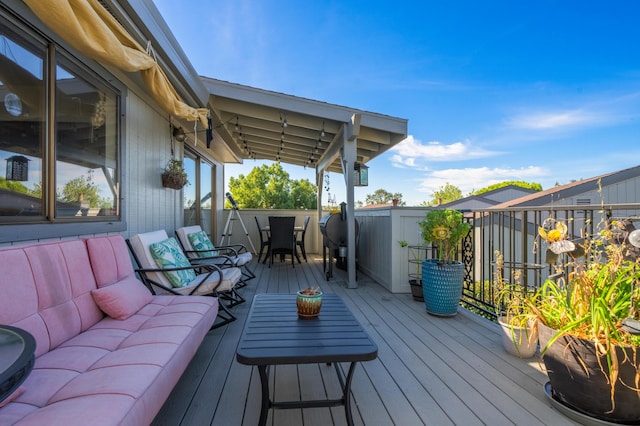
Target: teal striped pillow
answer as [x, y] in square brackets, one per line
[168, 254]
[200, 241]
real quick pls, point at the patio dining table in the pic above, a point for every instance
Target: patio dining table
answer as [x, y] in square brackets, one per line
[274, 335]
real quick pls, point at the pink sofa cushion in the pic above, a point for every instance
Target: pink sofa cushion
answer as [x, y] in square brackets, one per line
[122, 299]
[110, 259]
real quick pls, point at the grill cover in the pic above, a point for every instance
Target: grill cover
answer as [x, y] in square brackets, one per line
[334, 230]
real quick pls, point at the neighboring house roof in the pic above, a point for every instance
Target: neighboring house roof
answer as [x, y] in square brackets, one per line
[566, 194]
[375, 206]
[489, 198]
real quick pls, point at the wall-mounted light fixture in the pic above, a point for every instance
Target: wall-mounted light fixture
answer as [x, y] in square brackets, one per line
[361, 177]
[178, 134]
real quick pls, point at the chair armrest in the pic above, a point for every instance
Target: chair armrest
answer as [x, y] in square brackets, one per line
[238, 248]
[211, 260]
[222, 251]
[209, 268]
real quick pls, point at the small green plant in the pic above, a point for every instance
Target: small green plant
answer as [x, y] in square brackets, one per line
[512, 300]
[445, 229]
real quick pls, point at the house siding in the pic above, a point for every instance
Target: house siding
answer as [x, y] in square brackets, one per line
[148, 148]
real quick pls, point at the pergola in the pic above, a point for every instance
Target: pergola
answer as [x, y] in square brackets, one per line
[264, 125]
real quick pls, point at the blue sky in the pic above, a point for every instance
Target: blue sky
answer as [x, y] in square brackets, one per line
[545, 91]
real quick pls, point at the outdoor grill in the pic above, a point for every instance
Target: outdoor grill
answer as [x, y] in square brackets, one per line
[334, 239]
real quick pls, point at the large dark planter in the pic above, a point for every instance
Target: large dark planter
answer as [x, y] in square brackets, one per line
[442, 286]
[578, 382]
[416, 290]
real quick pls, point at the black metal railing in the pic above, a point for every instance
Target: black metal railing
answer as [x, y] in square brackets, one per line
[513, 233]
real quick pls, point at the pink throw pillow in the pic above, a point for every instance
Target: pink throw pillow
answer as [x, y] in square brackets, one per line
[122, 299]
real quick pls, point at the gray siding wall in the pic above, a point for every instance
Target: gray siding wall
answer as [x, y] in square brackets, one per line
[149, 206]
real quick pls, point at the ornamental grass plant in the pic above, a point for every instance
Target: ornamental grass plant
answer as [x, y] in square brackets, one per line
[597, 300]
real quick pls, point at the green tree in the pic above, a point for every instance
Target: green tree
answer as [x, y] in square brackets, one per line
[381, 196]
[445, 194]
[81, 189]
[13, 186]
[529, 185]
[304, 194]
[270, 187]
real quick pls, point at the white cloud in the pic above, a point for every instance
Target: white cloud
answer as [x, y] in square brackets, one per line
[560, 120]
[411, 152]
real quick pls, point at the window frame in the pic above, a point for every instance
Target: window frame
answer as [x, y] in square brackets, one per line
[198, 159]
[16, 228]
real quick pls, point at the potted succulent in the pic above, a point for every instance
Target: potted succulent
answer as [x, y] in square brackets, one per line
[309, 302]
[517, 322]
[174, 175]
[589, 325]
[442, 278]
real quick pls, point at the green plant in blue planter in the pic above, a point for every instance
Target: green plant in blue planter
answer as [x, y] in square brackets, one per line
[445, 229]
[442, 278]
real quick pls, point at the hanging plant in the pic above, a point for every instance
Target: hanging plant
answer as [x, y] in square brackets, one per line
[174, 175]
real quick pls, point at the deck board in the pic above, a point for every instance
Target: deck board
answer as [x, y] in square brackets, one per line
[429, 370]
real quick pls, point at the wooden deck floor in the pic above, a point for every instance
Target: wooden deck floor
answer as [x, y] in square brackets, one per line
[429, 370]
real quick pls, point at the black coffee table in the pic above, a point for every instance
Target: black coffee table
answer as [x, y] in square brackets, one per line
[274, 335]
[17, 348]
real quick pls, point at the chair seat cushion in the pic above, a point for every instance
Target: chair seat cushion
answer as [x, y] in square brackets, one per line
[230, 277]
[168, 254]
[242, 258]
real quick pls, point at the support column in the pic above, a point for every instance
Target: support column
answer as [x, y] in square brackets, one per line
[349, 151]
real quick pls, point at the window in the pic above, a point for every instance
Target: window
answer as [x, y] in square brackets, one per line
[59, 135]
[201, 174]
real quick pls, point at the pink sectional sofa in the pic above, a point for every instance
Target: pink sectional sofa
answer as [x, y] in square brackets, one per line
[107, 351]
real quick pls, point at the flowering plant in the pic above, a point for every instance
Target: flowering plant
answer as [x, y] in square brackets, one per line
[598, 299]
[445, 229]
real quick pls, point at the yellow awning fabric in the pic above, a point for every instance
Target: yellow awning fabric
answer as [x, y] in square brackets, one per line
[89, 27]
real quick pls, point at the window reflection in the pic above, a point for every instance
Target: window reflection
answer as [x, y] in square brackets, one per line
[21, 127]
[200, 174]
[86, 154]
[84, 143]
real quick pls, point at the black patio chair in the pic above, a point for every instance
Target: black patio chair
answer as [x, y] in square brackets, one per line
[282, 239]
[264, 243]
[300, 242]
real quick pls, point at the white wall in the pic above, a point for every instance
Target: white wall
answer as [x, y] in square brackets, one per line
[381, 256]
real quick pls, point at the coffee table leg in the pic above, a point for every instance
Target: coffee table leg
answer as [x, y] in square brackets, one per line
[264, 382]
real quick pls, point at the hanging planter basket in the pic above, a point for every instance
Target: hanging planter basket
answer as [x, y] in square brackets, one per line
[173, 181]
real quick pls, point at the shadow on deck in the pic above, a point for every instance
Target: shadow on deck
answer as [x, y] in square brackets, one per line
[429, 370]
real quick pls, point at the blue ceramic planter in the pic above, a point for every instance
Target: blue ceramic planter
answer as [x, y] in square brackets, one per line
[442, 286]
